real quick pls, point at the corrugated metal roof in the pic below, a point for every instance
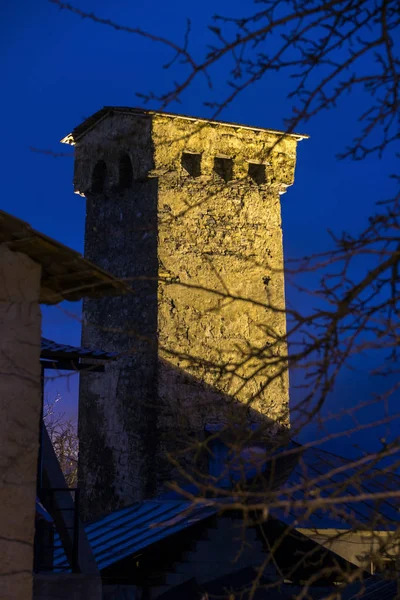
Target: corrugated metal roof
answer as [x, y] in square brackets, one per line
[53, 350]
[304, 473]
[127, 531]
[372, 588]
[323, 474]
[41, 512]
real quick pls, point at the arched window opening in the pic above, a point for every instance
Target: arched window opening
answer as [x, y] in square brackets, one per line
[125, 172]
[99, 177]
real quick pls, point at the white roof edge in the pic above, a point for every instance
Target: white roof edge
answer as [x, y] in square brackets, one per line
[69, 139]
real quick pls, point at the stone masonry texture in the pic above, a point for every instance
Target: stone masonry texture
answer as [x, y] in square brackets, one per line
[195, 227]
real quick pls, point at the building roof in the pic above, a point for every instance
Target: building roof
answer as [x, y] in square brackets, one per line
[336, 476]
[79, 131]
[302, 474]
[127, 531]
[372, 588]
[41, 513]
[62, 357]
[54, 351]
[66, 274]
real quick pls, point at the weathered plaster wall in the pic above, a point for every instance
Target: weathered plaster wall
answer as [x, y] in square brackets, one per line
[20, 402]
[201, 327]
[362, 548]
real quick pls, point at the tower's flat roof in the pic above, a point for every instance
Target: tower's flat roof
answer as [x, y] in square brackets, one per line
[98, 116]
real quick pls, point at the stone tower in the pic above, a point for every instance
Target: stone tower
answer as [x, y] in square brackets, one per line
[188, 211]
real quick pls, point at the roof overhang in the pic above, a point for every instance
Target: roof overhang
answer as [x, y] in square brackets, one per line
[63, 357]
[66, 274]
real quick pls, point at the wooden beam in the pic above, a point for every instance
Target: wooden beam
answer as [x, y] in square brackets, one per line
[71, 365]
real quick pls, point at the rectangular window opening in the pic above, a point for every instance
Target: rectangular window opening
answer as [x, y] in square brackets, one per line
[223, 167]
[191, 163]
[257, 173]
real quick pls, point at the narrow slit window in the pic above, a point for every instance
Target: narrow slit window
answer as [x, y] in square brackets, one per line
[191, 163]
[223, 167]
[125, 172]
[257, 173]
[99, 177]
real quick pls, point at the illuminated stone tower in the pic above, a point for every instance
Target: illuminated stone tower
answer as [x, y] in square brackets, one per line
[188, 211]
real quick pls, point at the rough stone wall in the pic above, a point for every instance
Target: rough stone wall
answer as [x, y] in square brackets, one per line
[20, 403]
[205, 259]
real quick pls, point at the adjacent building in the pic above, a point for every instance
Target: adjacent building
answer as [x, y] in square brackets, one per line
[34, 270]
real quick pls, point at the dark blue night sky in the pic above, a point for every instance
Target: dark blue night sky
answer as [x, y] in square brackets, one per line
[58, 69]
